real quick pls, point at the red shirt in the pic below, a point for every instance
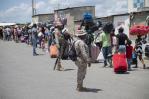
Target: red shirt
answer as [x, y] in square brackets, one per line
[129, 50]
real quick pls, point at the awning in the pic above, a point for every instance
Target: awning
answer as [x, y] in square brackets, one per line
[7, 24]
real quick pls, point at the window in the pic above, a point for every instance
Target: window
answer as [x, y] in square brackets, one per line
[138, 3]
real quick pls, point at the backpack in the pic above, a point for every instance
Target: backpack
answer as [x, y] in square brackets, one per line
[72, 52]
[89, 39]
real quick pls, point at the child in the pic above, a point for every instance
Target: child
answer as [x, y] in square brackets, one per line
[129, 50]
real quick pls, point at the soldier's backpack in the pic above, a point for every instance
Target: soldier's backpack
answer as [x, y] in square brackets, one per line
[89, 39]
[72, 52]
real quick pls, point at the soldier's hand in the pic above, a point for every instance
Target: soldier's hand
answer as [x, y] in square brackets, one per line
[57, 45]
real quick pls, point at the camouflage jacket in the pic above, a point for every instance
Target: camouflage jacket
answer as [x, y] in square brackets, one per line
[82, 51]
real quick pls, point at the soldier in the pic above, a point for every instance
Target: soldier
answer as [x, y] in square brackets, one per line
[61, 39]
[82, 59]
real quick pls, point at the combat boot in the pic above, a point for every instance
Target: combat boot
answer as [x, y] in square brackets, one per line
[59, 67]
[80, 88]
[144, 66]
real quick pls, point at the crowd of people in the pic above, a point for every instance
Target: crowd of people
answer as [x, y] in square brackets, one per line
[36, 35]
[107, 41]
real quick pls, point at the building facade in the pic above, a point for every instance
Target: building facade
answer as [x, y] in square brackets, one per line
[42, 18]
[76, 12]
[122, 20]
[135, 5]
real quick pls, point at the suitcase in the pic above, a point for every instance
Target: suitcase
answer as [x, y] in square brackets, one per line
[53, 51]
[94, 53]
[119, 63]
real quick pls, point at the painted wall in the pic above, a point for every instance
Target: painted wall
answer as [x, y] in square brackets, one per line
[121, 21]
[77, 12]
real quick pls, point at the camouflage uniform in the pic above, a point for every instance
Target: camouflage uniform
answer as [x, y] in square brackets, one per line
[57, 40]
[61, 44]
[82, 61]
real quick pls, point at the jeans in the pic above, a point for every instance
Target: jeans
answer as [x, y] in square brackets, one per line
[34, 41]
[122, 49]
[107, 51]
[129, 61]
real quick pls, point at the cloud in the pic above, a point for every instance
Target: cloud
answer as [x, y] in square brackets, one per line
[40, 5]
[109, 7]
[16, 13]
[23, 12]
[102, 7]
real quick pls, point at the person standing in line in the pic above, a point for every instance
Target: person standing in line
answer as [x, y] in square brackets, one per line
[34, 39]
[122, 38]
[82, 60]
[105, 40]
[138, 49]
[1, 33]
[8, 32]
[4, 33]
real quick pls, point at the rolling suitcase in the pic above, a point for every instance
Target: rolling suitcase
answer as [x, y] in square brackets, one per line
[119, 63]
[53, 51]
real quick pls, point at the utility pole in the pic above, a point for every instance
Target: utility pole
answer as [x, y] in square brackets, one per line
[33, 8]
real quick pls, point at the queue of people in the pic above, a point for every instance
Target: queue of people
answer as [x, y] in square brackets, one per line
[56, 34]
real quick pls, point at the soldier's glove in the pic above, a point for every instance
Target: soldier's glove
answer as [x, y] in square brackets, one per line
[89, 64]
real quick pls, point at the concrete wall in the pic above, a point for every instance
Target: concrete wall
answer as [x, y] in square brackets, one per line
[77, 12]
[139, 18]
[46, 18]
[104, 20]
[146, 3]
[42, 18]
[35, 19]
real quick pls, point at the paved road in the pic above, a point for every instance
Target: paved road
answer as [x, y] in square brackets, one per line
[23, 76]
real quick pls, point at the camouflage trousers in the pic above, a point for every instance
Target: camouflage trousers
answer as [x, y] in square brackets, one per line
[82, 67]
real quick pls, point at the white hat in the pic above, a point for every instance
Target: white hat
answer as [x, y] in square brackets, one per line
[80, 33]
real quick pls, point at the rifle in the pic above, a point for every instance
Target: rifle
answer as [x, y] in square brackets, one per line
[56, 62]
[57, 59]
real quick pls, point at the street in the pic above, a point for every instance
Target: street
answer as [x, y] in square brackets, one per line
[24, 76]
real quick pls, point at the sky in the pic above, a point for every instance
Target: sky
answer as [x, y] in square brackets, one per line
[20, 11]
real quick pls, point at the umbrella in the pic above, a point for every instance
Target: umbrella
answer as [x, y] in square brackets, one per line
[139, 30]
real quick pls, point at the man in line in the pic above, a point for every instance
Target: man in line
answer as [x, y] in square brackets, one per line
[105, 40]
[34, 39]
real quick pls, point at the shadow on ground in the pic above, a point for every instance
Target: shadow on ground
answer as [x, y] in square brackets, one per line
[68, 69]
[123, 72]
[94, 90]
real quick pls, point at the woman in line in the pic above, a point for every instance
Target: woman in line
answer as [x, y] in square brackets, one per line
[138, 49]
